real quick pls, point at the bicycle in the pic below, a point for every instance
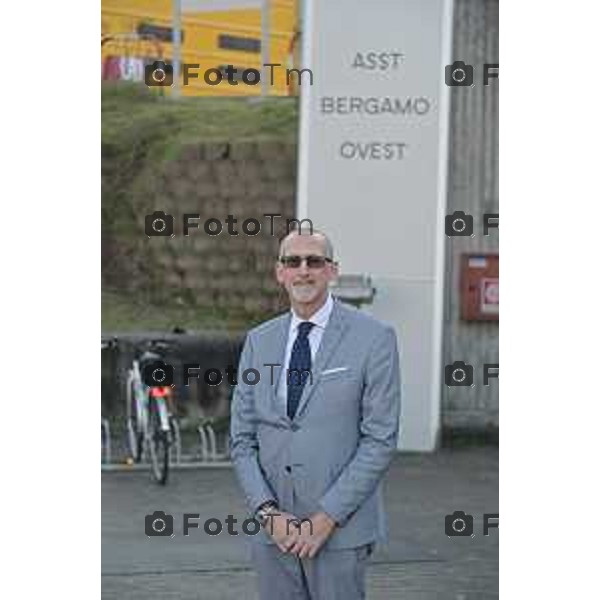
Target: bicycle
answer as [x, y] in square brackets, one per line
[106, 445]
[150, 424]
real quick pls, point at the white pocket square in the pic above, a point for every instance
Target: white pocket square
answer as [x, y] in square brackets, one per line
[336, 370]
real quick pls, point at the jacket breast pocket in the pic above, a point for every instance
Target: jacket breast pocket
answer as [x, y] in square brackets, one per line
[338, 375]
[339, 380]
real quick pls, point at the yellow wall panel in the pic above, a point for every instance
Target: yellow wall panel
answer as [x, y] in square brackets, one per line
[201, 31]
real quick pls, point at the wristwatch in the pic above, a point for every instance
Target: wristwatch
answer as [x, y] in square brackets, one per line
[265, 510]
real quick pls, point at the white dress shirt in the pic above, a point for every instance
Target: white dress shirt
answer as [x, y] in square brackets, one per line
[320, 319]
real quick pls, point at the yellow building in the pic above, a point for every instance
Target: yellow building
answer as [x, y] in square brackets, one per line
[215, 34]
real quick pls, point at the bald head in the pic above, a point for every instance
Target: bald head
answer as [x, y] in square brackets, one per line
[324, 241]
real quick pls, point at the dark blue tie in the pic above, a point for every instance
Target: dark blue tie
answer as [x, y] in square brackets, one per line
[299, 367]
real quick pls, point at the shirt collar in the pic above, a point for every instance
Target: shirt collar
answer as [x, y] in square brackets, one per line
[320, 318]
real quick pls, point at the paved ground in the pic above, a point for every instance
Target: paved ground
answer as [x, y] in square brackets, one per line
[419, 563]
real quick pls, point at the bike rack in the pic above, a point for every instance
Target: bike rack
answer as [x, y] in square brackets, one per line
[208, 442]
[177, 440]
[203, 442]
[130, 435]
[105, 428]
[227, 454]
[213, 440]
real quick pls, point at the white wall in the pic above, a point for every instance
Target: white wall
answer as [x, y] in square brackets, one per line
[384, 211]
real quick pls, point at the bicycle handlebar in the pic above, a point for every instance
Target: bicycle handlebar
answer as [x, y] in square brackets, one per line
[108, 343]
[159, 345]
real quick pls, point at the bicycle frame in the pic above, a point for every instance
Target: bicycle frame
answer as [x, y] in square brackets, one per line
[143, 397]
[149, 423]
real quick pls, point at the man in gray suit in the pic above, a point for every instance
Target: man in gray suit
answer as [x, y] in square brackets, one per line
[314, 426]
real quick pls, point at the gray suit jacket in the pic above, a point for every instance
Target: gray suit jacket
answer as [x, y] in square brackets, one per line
[333, 454]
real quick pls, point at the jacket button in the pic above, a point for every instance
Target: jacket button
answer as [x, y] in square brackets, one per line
[288, 468]
[295, 426]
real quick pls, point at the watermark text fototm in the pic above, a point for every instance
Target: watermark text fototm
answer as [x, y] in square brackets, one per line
[460, 524]
[160, 74]
[160, 524]
[460, 224]
[160, 374]
[460, 373]
[161, 224]
[461, 74]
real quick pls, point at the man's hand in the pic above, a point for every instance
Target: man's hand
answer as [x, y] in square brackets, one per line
[307, 543]
[282, 527]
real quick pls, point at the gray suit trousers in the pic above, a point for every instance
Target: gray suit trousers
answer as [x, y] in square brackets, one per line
[333, 574]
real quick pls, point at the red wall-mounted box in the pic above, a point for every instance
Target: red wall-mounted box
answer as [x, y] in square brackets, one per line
[479, 287]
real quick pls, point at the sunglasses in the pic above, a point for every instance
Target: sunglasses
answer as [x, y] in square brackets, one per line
[312, 262]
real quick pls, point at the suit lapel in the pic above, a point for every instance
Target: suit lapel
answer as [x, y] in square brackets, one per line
[278, 342]
[332, 336]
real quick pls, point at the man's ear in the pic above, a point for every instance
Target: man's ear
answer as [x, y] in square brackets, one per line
[279, 273]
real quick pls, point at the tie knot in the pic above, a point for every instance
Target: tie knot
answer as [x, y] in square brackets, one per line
[304, 328]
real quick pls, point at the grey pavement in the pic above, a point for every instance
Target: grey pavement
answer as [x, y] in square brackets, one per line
[418, 562]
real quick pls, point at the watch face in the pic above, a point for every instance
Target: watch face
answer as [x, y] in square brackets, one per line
[265, 513]
[262, 518]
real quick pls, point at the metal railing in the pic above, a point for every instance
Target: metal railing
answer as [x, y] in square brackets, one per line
[106, 441]
[207, 451]
[208, 442]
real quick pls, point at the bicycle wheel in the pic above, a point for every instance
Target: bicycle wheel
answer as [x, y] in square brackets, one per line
[158, 445]
[135, 432]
